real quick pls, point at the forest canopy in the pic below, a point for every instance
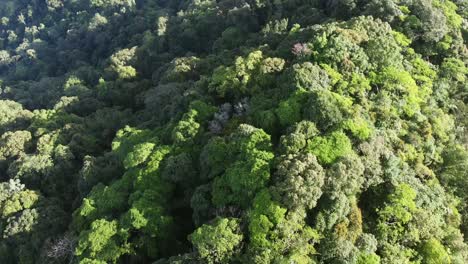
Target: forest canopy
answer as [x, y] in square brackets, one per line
[234, 131]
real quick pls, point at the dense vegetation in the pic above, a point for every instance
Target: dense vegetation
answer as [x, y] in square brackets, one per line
[233, 131]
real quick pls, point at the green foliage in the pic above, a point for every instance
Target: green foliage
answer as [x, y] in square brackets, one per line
[265, 215]
[12, 115]
[26, 219]
[182, 69]
[233, 131]
[397, 81]
[204, 111]
[121, 61]
[218, 242]
[15, 199]
[330, 109]
[279, 237]
[308, 77]
[250, 151]
[213, 157]
[245, 76]
[359, 128]
[31, 169]
[358, 86]
[186, 129]
[293, 143]
[297, 141]
[345, 176]
[454, 69]
[19, 201]
[137, 199]
[138, 155]
[112, 3]
[368, 259]
[290, 110]
[100, 242]
[397, 213]
[126, 139]
[432, 251]
[331, 147]
[454, 20]
[299, 180]
[13, 144]
[401, 39]
[179, 169]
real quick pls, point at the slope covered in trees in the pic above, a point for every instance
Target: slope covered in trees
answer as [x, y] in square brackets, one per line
[233, 131]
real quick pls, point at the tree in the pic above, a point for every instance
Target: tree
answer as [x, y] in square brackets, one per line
[373, 152]
[300, 134]
[299, 179]
[332, 211]
[5, 58]
[289, 111]
[331, 147]
[250, 154]
[432, 24]
[290, 239]
[138, 155]
[308, 77]
[187, 128]
[340, 8]
[181, 69]
[16, 198]
[213, 158]
[245, 76]
[218, 242]
[452, 174]
[329, 109]
[293, 143]
[272, 131]
[27, 219]
[179, 169]
[264, 216]
[345, 176]
[397, 213]
[98, 169]
[396, 81]
[13, 144]
[127, 137]
[336, 250]
[367, 243]
[121, 63]
[165, 101]
[97, 21]
[454, 69]
[388, 10]
[432, 251]
[12, 115]
[112, 4]
[201, 204]
[100, 242]
[31, 169]
[364, 258]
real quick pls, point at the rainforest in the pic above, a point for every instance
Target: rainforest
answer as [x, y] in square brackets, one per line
[233, 131]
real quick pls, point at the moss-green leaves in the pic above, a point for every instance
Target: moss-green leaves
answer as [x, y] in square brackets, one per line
[329, 148]
[217, 242]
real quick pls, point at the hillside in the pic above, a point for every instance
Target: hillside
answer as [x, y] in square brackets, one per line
[234, 131]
